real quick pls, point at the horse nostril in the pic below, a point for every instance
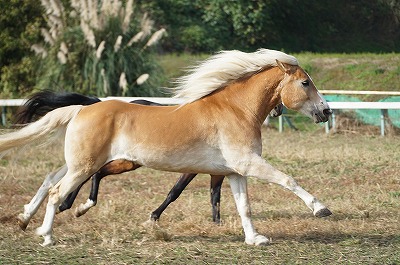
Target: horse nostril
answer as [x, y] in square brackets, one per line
[327, 112]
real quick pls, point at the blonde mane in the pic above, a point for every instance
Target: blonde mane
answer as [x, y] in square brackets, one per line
[224, 67]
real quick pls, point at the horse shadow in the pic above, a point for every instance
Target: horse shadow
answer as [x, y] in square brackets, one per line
[344, 239]
[320, 237]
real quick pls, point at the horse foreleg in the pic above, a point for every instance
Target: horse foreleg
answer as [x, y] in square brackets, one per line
[215, 193]
[238, 185]
[179, 186]
[31, 208]
[260, 169]
[111, 168]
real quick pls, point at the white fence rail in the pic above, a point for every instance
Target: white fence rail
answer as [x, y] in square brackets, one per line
[383, 106]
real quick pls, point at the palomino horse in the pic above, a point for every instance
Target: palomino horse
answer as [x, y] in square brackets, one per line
[213, 130]
[41, 103]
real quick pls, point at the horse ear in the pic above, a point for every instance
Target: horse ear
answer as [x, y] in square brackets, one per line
[282, 66]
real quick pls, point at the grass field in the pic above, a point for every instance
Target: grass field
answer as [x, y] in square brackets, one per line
[357, 176]
[363, 71]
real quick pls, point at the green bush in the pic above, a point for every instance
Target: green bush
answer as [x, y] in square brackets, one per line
[99, 50]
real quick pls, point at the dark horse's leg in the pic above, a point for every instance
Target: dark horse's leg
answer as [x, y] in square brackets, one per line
[179, 186]
[67, 204]
[216, 183]
[111, 168]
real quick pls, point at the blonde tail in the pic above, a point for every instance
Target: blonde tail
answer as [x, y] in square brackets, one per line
[51, 122]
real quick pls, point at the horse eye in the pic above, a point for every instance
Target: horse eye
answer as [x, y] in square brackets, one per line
[305, 83]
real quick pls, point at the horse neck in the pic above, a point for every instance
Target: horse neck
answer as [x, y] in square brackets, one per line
[252, 97]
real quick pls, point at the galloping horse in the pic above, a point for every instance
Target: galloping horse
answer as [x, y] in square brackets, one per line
[213, 130]
[41, 103]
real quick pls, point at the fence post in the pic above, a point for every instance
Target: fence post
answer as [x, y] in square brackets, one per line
[3, 115]
[280, 123]
[327, 127]
[383, 116]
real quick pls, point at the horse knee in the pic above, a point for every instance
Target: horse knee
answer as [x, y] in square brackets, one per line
[55, 197]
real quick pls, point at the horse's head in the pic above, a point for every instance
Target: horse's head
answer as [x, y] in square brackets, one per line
[299, 93]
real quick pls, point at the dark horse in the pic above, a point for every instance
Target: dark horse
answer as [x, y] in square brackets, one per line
[45, 101]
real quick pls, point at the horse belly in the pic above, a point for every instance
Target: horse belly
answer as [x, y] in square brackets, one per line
[183, 160]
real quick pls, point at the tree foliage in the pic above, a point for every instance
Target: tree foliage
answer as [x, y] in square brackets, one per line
[196, 26]
[290, 25]
[19, 23]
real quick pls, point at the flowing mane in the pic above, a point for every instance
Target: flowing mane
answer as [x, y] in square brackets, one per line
[224, 67]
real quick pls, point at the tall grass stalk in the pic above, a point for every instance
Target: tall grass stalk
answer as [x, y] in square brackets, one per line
[93, 47]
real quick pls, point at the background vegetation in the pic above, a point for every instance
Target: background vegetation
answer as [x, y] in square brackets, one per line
[192, 26]
[343, 44]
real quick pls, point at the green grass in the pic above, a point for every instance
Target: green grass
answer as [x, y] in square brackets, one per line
[365, 71]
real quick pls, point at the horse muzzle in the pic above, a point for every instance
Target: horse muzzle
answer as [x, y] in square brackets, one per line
[322, 116]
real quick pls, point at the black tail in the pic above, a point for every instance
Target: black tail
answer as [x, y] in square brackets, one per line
[145, 102]
[41, 103]
[45, 101]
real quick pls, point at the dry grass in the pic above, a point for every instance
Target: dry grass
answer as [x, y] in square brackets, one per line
[357, 176]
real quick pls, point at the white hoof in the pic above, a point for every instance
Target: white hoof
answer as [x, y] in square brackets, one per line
[258, 240]
[79, 211]
[84, 207]
[48, 241]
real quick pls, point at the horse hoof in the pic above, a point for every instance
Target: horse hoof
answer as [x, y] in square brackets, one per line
[149, 223]
[22, 222]
[259, 240]
[78, 213]
[81, 210]
[48, 241]
[323, 213]
[47, 244]
[154, 217]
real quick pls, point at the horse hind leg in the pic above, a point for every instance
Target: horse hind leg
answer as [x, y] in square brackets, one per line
[69, 201]
[113, 167]
[31, 208]
[57, 194]
[174, 193]
[215, 194]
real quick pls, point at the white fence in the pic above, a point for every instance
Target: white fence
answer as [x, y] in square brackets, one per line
[383, 106]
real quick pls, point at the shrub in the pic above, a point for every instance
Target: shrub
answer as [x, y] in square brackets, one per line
[96, 48]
